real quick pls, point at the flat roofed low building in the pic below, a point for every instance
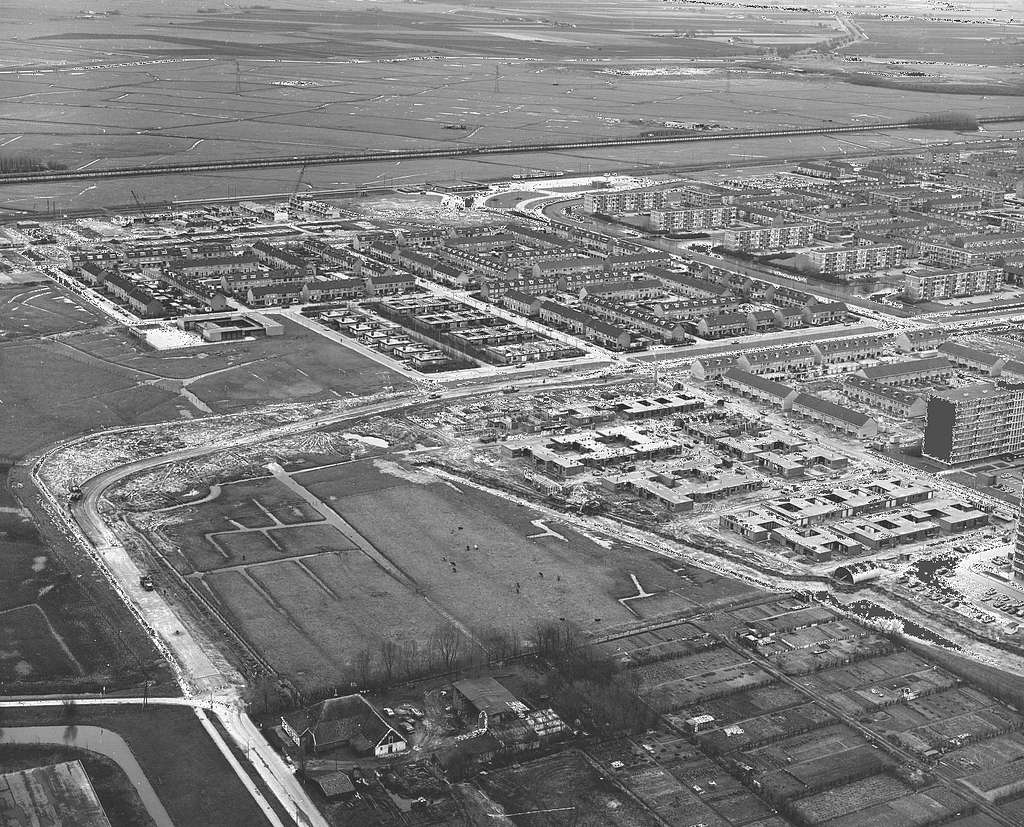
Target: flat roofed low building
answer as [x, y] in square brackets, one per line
[888, 530]
[223, 327]
[755, 524]
[817, 543]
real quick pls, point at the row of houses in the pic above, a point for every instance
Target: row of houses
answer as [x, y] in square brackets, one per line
[807, 405]
[848, 350]
[345, 288]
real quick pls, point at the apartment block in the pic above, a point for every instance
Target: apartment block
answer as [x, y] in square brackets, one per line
[927, 285]
[1018, 545]
[775, 237]
[610, 202]
[693, 219]
[855, 259]
[974, 423]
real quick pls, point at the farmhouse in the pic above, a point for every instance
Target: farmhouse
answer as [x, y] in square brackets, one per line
[349, 721]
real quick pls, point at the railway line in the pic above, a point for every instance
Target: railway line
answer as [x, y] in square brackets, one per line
[370, 156]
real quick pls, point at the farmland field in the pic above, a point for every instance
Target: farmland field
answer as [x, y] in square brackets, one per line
[113, 788]
[943, 42]
[75, 397]
[54, 631]
[165, 84]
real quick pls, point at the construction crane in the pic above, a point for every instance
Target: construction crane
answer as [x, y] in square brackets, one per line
[293, 201]
[138, 203]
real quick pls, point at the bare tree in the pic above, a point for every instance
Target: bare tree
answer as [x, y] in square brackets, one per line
[447, 643]
[389, 652]
[363, 663]
[411, 658]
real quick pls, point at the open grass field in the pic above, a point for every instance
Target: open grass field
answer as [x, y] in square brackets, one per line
[322, 180]
[32, 650]
[41, 310]
[298, 366]
[48, 394]
[310, 595]
[191, 778]
[99, 379]
[493, 545]
[943, 42]
[312, 617]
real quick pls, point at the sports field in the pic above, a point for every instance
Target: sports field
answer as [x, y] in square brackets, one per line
[103, 379]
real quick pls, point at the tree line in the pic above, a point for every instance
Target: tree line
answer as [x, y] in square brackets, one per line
[27, 163]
